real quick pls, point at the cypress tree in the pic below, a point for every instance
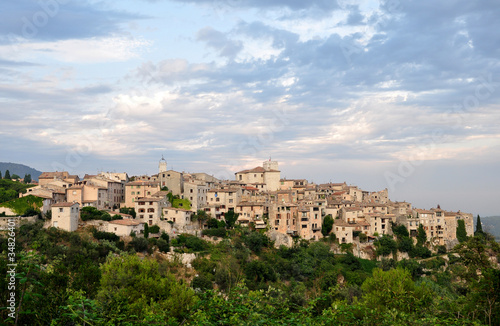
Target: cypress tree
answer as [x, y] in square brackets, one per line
[0, 174]
[479, 226]
[7, 174]
[421, 235]
[461, 232]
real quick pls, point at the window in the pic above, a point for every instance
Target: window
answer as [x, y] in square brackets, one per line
[230, 201]
[191, 190]
[60, 210]
[74, 192]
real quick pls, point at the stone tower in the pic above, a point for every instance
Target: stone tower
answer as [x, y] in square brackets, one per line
[270, 165]
[162, 166]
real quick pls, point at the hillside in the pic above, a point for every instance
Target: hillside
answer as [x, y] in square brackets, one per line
[19, 169]
[491, 224]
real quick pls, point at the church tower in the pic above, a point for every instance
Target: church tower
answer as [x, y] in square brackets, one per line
[162, 166]
[270, 165]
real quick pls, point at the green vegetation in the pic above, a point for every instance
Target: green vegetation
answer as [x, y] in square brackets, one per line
[327, 225]
[91, 213]
[129, 211]
[181, 203]
[461, 231]
[94, 278]
[11, 189]
[25, 206]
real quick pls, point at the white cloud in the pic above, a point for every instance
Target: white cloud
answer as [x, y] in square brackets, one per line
[92, 50]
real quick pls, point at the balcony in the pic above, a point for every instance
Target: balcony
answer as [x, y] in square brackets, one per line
[304, 219]
[316, 228]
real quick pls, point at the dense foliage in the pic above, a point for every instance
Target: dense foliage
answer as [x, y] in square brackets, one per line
[94, 278]
[11, 189]
[91, 213]
[25, 206]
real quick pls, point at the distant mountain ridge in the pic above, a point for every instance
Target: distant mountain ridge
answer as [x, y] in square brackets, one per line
[19, 169]
[491, 224]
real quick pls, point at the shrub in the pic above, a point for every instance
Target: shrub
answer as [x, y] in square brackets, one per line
[91, 213]
[138, 244]
[218, 232]
[165, 236]
[154, 229]
[101, 235]
[163, 245]
[129, 211]
[196, 244]
[255, 241]
[201, 283]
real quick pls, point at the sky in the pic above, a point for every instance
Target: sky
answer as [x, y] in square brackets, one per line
[390, 94]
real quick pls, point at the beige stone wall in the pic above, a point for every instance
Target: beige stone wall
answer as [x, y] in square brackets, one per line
[272, 180]
[173, 180]
[4, 221]
[125, 230]
[66, 218]
[7, 211]
[132, 192]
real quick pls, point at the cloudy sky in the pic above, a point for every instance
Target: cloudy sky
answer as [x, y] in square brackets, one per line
[390, 94]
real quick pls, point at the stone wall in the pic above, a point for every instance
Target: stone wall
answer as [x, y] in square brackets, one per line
[7, 211]
[4, 221]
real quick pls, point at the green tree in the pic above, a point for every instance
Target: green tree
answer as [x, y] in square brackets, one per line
[201, 216]
[163, 245]
[479, 226]
[327, 225]
[461, 232]
[399, 230]
[154, 229]
[132, 287]
[15, 176]
[7, 175]
[421, 235]
[146, 230]
[385, 245]
[486, 295]
[395, 289]
[405, 244]
[255, 241]
[27, 178]
[0, 174]
[129, 211]
[231, 217]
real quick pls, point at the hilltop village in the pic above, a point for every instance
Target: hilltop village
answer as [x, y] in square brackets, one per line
[180, 202]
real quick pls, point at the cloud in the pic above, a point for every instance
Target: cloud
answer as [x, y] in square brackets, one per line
[219, 42]
[53, 20]
[91, 50]
[295, 5]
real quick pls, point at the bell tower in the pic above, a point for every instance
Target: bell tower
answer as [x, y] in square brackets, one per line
[162, 166]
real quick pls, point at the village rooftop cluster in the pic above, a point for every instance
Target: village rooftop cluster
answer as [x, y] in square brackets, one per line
[261, 198]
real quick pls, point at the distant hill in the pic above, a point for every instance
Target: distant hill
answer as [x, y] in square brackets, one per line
[19, 169]
[491, 224]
